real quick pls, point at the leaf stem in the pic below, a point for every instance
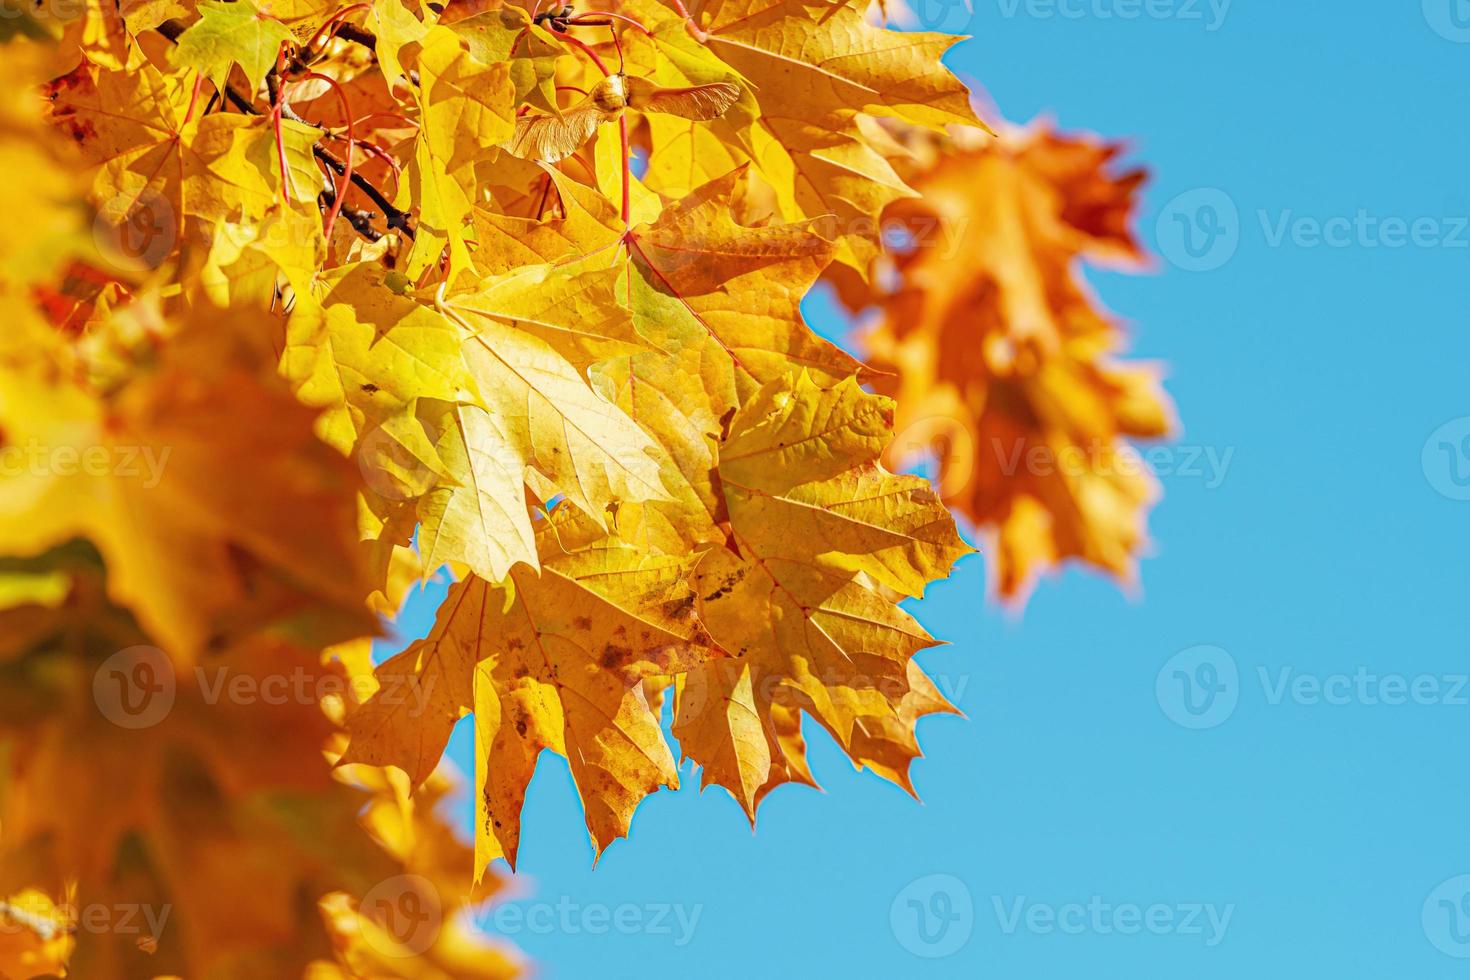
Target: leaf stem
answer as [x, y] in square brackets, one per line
[278, 102]
[341, 189]
[581, 19]
[332, 25]
[697, 32]
[626, 210]
[194, 98]
[627, 170]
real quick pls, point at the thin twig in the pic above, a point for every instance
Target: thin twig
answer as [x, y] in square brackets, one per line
[394, 217]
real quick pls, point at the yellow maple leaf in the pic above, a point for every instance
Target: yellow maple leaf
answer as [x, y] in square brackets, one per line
[820, 535]
[813, 68]
[164, 475]
[554, 661]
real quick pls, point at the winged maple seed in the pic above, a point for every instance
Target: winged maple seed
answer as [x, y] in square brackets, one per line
[550, 138]
[343, 294]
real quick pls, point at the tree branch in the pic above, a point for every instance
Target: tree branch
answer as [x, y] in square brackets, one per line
[395, 218]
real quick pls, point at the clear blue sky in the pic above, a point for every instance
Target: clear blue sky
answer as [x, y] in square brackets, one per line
[1326, 824]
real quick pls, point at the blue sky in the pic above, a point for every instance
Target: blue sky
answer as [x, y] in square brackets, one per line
[1093, 816]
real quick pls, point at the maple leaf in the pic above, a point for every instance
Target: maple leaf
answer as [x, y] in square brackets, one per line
[462, 409]
[229, 34]
[1001, 353]
[720, 303]
[206, 791]
[813, 68]
[554, 661]
[818, 533]
[170, 490]
[154, 168]
[465, 108]
[507, 34]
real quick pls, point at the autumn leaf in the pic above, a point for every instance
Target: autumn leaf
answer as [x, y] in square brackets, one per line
[163, 475]
[229, 34]
[813, 69]
[1003, 360]
[820, 536]
[465, 109]
[553, 661]
[309, 301]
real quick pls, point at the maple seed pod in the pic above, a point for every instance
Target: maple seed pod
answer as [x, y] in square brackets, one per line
[611, 94]
[550, 139]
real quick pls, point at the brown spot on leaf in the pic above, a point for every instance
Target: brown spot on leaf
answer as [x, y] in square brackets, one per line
[613, 656]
